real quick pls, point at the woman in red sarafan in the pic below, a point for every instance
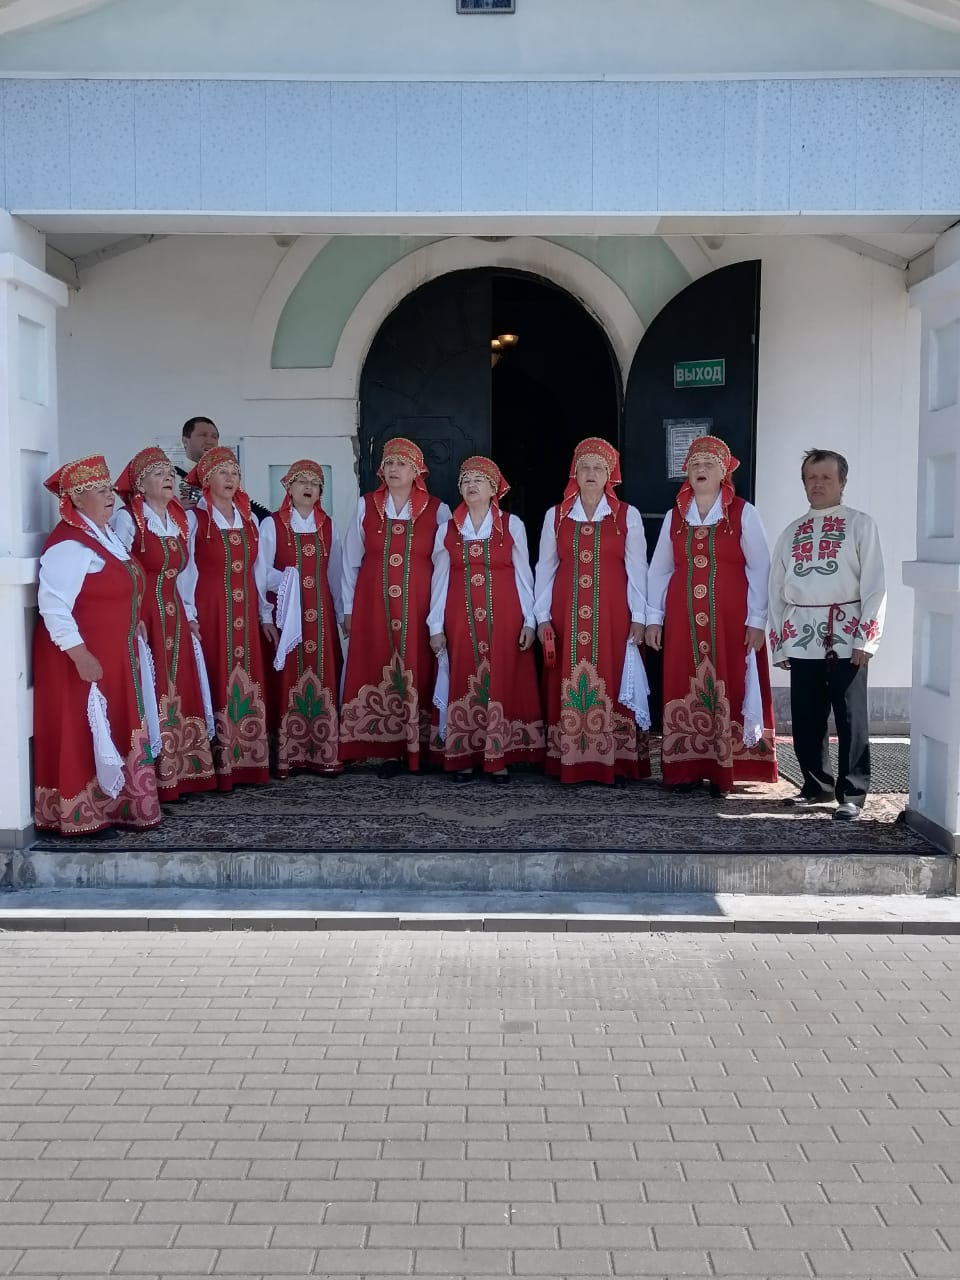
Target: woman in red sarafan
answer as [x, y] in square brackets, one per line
[90, 594]
[300, 563]
[590, 599]
[481, 616]
[387, 567]
[153, 528]
[220, 596]
[708, 601]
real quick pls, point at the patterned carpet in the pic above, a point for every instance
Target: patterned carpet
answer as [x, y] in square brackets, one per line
[359, 811]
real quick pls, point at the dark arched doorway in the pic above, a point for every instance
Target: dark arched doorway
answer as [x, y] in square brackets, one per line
[428, 375]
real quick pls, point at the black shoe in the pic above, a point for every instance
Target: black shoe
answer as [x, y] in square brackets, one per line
[684, 788]
[808, 802]
[462, 775]
[717, 791]
[500, 778]
[847, 812]
[389, 769]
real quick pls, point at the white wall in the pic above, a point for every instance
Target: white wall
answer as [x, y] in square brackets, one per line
[161, 333]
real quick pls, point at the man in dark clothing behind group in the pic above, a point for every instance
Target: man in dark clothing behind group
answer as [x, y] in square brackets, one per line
[199, 435]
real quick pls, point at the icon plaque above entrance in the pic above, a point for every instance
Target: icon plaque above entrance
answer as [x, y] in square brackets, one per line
[486, 6]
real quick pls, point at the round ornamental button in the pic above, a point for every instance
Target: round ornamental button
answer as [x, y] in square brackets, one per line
[482, 646]
[236, 566]
[173, 544]
[584, 637]
[704, 646]
[169, 573]
[238, 624]
[310, 646]
[700, 562]
[238, 652]
[396, 560]
[477, 579]
[585, 611]
[168, 643]
[308, 549]
[701, 619]
[699, 591]
[235, 539]
[586, 582]
[309, 581]
[237, 595]
[588, 530]
[701, 532]
[309, 615]
[170, 608]
[399, 528]
[480, 615]
[476, 549]
[586, 557]
[394, 592]
[395, 624]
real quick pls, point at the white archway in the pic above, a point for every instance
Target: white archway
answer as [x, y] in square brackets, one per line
[596, 291]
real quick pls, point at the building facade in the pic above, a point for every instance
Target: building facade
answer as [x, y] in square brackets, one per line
[308, 220]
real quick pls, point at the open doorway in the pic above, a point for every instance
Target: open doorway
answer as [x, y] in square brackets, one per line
[429, 375]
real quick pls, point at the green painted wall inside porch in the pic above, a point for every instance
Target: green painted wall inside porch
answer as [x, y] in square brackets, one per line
[313, 319]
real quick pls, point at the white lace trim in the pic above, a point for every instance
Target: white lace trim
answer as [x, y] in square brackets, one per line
[752, 704]
[635, 687]
[204, 686]
[441, 691]
[109, 763]
[289, 617]
[148, 688]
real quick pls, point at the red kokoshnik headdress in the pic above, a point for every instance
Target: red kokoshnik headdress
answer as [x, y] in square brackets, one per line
[488, 468]
[593, 447]
[128, 486]
[407, 451]
[718, 450]
[75, 477]
[303, 469]
[199, 478]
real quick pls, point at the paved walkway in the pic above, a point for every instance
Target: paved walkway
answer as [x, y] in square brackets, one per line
[478, 1105]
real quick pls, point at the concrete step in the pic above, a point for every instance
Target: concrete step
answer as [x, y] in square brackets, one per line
[798, 871]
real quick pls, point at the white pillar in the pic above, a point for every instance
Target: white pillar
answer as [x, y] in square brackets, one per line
[934, 806]
[29, 299]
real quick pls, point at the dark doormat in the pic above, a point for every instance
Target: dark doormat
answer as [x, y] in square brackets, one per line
[889, 764]
[359, 811]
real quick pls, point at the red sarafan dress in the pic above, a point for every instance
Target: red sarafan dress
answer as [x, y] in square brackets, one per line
[494, 717]
[704, 660]
[388, 686]
[305, 715]
[185, 763]
[591, 736]
[227, 611]
[68, 798]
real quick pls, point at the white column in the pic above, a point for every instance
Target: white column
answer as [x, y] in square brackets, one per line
[934, 806]
[29, 299]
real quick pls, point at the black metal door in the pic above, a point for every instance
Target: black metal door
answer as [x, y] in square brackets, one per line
[427, 376]
[715, 318]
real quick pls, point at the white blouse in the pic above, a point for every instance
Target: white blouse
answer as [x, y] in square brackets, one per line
[753, 541]
[441, 567]
[187, 581]
[268, 578]
[354, 544]
[635, 557]
[63, 568]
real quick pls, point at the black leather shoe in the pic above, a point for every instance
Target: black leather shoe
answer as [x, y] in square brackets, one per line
[389, 769]
[462, 775]
[847, 812]
[500, 778]
[808, 802]
[717, 791]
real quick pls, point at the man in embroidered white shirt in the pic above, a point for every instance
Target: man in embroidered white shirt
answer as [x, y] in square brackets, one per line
[827, 603]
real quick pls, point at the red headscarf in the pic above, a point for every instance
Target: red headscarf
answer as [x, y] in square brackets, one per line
[593, 447]
[303, 469]
[407, 451]
[128, 486]
[199, 478]
[488, 468]
[715, 448]
[75, 477]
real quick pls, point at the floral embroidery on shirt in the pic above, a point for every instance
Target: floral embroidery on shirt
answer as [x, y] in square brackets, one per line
[871, 629]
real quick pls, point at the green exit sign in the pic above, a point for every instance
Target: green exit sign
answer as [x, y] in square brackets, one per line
[699, 373]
